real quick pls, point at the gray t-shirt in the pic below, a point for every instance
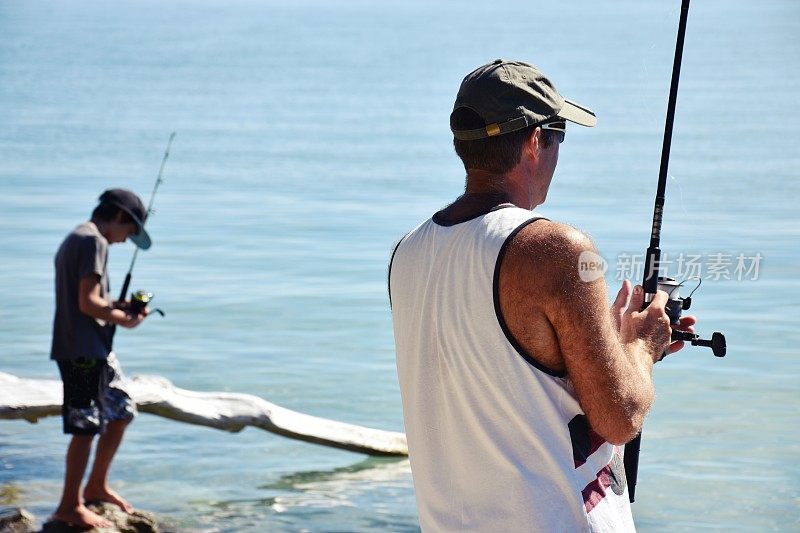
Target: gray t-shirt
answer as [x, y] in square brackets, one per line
[84, 252]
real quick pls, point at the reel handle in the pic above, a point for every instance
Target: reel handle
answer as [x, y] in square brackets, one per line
[716, 343]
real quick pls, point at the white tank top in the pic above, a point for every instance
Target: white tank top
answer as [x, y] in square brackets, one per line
[497, 442]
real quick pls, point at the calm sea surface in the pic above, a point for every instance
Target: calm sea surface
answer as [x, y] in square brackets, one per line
[312, 135]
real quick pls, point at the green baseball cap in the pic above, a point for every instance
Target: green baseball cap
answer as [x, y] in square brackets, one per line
[510, 96]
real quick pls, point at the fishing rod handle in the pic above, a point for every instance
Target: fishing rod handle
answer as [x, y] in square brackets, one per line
[651, 273]
[125, 286]
[630, 460]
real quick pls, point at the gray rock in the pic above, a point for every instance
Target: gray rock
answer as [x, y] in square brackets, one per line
[17, 521]
[137, 522]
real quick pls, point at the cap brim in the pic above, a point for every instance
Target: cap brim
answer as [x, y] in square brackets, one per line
[577, 114]
[141, 239]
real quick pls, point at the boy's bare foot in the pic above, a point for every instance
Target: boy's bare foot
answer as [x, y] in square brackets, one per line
[106, 494]
[81, 516]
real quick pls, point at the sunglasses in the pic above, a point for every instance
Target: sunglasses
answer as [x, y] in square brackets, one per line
[560, 127]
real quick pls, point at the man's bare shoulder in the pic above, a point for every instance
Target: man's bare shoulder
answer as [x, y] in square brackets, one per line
[540, 285]
[548, 245]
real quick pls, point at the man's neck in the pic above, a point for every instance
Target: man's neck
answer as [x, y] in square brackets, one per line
[475, 201]
[497, 188]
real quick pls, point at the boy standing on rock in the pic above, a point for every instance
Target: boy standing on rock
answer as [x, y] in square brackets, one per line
[95, 401]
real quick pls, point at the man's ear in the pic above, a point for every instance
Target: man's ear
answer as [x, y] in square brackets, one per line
[534, 143]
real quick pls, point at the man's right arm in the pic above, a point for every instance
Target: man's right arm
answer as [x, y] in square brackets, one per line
[609, 367]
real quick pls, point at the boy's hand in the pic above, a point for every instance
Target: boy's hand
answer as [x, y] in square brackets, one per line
[126, 320]
[121, 304]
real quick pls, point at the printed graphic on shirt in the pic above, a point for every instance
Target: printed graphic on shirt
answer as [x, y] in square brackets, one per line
[586, 445]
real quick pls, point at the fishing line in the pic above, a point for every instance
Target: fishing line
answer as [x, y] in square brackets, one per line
[677, 182]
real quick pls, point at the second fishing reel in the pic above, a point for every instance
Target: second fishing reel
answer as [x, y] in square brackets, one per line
[675, 306]
[139, 301]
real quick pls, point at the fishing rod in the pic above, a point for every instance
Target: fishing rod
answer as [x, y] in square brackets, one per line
[141, 298]
[652, 280]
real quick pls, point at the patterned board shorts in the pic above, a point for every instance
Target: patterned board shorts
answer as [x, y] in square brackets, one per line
[94, 395]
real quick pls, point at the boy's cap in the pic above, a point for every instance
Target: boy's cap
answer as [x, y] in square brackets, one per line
[511, 95]
[131, 204]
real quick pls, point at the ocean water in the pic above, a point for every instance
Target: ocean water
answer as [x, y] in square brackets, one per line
[310, 136]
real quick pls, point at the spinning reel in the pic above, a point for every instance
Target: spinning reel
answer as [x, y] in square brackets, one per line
[139, 301]
[676, 304]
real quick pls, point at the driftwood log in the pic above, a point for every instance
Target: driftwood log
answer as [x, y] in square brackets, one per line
[32, 399]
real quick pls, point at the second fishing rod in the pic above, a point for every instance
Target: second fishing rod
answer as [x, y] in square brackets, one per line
[140, 299]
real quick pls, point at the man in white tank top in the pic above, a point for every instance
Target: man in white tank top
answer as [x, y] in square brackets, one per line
[519, 386]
